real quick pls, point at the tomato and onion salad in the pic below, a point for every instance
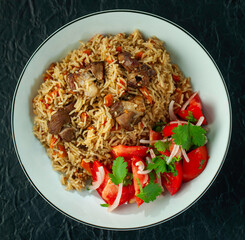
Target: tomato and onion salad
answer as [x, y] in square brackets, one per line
[176, 153]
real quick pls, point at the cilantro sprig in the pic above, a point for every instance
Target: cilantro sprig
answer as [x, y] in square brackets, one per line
[119, 170]
[162, 146]
[191, 118]
[149, 192]
[189, 135]
[158, 126]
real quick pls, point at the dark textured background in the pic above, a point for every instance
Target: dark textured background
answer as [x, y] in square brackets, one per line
[218, 25]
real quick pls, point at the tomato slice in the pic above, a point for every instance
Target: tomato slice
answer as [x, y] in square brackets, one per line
[155, 135]
[96, 165]
[198, 161]
[141, 178]
[195, 107]
[173, 183]
[129, 151]
[167, 130]
[110, 191]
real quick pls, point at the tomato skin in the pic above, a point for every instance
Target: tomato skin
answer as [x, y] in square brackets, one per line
[141, 178]
[193, 168]
[167, 130]
[173, 183]
[96, 165]
[110, 191]
[129, 151]
[195, 107]
[155, 135]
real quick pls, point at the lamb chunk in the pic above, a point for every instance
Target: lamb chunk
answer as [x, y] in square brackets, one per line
[60, 118]
[116, 109]
[141, 76]
[97, 69]
[127, 120]
[129, 63]
[67, 134]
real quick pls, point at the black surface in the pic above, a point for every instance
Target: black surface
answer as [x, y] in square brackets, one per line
[218, 25]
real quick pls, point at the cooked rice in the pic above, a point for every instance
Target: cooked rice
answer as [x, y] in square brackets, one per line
[97, 132]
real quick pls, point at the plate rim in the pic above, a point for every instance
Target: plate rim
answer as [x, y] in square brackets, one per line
[106, 12]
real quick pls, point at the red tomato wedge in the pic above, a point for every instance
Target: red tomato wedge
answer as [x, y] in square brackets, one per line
[96, 165]
[129, 151]
[141, 178]
[110, 191]
[155, 135]
[173, 183]
[198, 161]
[195, 107]
[167, 130]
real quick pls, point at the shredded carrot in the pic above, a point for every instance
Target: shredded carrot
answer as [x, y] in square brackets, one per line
[46, 77]
[91, 128]
[108, 100]
[119, 49]
[42, 101]
[53, 141]
[176, 77]
[141, 124]
[65, 72]
[83, 116]
[138, 55]
[104, 123]
[109, 59]
[146, 94]
[87, 51]
[87, 166]
[122, 85]
[63, 151]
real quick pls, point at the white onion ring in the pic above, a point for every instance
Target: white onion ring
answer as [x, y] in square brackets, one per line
[117, 200]
[146, 179]
[200, 121]
[140, 165]
[185, 155]
[153, 155]
[179, 122]
[143, 141]
[159, 181]
[173, 153]
[148, 159]
[188, 101]
[143, 172]
[100, 178]
[171, 111]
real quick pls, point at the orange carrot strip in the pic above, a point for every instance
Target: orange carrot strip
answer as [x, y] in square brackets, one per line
[63, 150]
[138, 55]
[53, 141]
[108, 100]
[87, 51]
[83, 116]
[119, 49]
[146, 94]
[87, 166]
[109, 59]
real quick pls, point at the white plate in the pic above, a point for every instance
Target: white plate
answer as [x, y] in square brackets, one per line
[195, 62]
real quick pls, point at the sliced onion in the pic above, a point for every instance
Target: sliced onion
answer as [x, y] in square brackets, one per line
[144, 172]
[200, 121]
[146, 179]
[100, 178]
[179, 122]
[185, 155]
[159, 181]
[173, 153]
[148, 159]
[118, 198]
[188, 101]
[140, 165]
[171, 111]
[143, 141]
[153, 155]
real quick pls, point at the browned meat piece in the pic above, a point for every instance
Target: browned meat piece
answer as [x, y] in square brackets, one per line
[141, 76]
[116, 109]
[127, 120]
[128, 113]
[129, 63]
[67, 134]
[97, 69]
[60, 118]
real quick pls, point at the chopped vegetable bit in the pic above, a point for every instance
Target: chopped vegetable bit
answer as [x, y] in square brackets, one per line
[201, 163]
[162, 146]
[190, 117]
[104, 205]
[119, 170]
[149, 192]
[189, 135]
[128, 179]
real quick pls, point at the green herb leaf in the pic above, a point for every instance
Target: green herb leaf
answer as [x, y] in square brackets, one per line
[191, 118]
[201, 163]
[104, 205]
[158, 164]
[128, 179]
[149, 192]
[119, 170]
[162, 146]
[189, 135]
[158, 126]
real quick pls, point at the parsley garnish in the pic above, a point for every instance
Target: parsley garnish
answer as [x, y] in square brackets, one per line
[119, 170]
[149, 192]
[162, 146]
[158, 164]
[190, 117]
[158, 126]
[104, 205]
[201, 163]
[189, 135]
